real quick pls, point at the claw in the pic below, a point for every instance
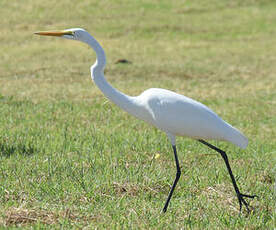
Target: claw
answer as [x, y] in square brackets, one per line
[249, 196]
[242, 201]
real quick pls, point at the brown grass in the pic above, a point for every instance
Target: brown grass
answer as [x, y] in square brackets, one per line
[22, 216]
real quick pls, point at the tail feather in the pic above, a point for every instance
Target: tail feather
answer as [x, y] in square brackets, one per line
[237, 138]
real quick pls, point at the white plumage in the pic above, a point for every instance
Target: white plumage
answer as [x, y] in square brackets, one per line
[178, 115]
[172, 113]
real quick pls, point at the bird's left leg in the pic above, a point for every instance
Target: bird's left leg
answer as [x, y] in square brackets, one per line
[225, 158]
[178, 173]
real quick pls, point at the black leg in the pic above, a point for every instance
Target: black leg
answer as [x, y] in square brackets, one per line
[178, 173]
[225, 158]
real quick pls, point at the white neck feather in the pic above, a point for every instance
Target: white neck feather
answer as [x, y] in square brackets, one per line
[125, 102]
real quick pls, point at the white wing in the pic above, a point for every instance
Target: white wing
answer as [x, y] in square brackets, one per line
[182, 116]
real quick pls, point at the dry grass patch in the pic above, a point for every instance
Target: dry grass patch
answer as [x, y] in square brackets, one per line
[23, 216]
[20, 216]
[222, 195]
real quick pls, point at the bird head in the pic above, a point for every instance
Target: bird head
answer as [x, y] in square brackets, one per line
[82, 35]
[73, 34]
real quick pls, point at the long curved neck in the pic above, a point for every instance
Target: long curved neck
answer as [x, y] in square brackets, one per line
[123, 101]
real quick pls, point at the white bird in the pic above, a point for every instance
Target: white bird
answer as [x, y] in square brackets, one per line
[170, 112]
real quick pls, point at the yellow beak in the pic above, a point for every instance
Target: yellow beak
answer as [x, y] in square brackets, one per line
[55, 33]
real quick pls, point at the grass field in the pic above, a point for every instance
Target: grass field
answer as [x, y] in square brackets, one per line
[70, 159]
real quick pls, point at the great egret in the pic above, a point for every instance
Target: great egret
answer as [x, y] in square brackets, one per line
[172, 113]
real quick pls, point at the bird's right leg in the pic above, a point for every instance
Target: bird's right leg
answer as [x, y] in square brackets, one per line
[178, 173]
[225, 158]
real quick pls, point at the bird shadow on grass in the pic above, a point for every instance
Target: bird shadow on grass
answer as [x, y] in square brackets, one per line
[7, 149]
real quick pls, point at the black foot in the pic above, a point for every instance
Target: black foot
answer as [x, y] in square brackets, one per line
[242, 201]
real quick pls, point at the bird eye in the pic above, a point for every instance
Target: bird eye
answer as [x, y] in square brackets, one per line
[74, 34]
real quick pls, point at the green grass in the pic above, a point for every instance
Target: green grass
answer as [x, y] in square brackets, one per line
[70, 159]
